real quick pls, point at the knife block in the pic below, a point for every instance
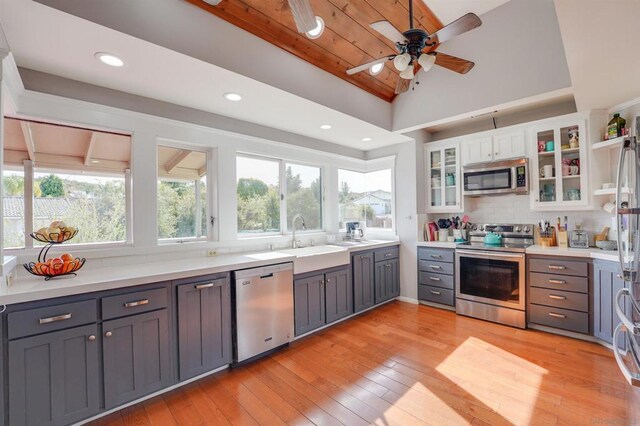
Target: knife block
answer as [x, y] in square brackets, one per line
[544, 241]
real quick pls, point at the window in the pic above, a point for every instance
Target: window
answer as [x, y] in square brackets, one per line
[262, 209]
[304, 195]
[182, 194]
[366, 197]
[258, 195]
[61, 173]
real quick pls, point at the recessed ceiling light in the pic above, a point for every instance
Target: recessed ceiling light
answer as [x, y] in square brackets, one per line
[376, 69]
[109, 59]
[318, 30]
[367, 139]
[234, 97]
[325, 126]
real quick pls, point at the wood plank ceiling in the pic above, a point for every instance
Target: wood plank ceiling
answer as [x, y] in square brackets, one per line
[347, 40]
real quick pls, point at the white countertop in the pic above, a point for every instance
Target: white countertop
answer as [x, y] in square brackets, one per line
[437, 244]
[591, 252]
[29, 288]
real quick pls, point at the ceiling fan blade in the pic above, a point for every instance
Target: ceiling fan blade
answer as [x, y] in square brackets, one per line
[368, 65]
[389, 31]
[457, 27]
[303, 15]
[402, 85]
[453, 63]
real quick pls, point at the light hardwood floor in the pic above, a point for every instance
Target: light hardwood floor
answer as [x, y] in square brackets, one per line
[403, 364]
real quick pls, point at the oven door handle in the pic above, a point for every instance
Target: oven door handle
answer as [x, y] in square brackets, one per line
[489, 254]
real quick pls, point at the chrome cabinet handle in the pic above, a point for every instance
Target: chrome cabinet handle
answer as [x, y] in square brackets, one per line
[54, 319]
[557, 267]
[435, 279]
[328, 279]
[388, 255]
[436, 256]
[437, 293]
[555, 297]
[92, 338]
[203, 286]
[136, 303]
[552, 281]
[108, 334]
[553, 314]
[436, 267]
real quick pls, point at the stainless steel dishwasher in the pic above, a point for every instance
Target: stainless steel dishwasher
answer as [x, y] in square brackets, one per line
[264, 309]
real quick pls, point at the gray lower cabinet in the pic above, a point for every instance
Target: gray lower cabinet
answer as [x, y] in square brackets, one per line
[363, 281]
[204, 326]
[436, 275]
[136, 356]
[54, 377]
[606, 285]
[309, 303]
[321, 298]
[387, 280]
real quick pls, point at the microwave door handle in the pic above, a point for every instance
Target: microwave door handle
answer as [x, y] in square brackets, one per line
[513, 178]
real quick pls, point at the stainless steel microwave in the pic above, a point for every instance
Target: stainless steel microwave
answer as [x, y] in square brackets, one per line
[499, 177]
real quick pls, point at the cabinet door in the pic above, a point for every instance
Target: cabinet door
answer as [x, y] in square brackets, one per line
[136, 357]
[338, 295]
[509, 145]
[606, 285]
[309, 303]
[478, 150]
[436, 180]
[204, 327]
[54, 377]
[393, 277]
[381, 278]
[363, 282]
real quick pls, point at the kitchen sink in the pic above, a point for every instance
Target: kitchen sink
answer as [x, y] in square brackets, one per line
[315, 258]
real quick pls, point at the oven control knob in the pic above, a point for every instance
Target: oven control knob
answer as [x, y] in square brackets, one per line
[526, 229]
[481, 227]
[517, 229]
[474, 228]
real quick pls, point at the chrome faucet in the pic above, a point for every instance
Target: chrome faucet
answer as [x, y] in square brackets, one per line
[295, 243]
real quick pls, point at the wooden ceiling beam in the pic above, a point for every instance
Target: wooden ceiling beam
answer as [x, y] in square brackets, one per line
[89, 151]
[176, 160]
[28, 139]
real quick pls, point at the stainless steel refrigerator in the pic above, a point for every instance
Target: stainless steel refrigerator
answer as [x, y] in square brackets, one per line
[626, 337]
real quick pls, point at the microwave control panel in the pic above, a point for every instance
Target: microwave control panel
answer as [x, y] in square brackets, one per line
[521, 177]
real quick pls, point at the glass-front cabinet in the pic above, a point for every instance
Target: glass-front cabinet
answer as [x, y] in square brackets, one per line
[443, 178]
[559, 157]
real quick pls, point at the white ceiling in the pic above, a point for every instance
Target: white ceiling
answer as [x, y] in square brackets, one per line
[602, 55]
[450, 10]
[47, 40]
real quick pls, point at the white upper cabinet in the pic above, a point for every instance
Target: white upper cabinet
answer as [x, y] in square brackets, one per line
[509, 145]
[493, 147]
[477, 150]
[443, 178]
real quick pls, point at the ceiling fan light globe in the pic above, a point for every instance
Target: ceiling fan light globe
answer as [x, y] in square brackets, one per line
[401, 62]
[426, 61]
[407, 74]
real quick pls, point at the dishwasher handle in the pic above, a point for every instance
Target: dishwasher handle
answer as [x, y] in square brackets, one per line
[263, 272]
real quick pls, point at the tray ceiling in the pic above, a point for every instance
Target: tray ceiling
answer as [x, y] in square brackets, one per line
[347, 40]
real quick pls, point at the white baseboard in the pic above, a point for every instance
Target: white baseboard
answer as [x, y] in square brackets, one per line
[407, 300]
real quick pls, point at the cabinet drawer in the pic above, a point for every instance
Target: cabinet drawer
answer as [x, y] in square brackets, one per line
[133, 303]
[436, 280]
[559, 282]
[436, 295]
[559, 318]
[560, 299]
[560, 267]
[439, 255]
[437, 267]
[51, 318]
[386, 253]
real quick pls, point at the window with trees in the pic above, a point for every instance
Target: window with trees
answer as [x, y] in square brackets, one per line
[366, 197]
[271, 192]
[182, 194]
[61, 173]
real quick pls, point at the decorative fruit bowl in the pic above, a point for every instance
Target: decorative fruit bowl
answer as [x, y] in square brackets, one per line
[55, 267]
[55, 235]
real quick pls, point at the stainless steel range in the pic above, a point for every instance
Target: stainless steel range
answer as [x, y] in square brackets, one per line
[490, 280]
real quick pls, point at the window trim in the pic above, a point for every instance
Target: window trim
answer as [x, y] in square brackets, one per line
[282, 183]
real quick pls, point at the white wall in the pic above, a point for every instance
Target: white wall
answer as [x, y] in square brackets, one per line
[518, 53]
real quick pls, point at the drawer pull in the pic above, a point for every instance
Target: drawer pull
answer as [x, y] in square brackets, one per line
[435, 279]
[388, 265]
[54, 319]
[92, 338]
[436, 267]
[108, 334]
[437, 293]
[555, 297]
[203, 286]
[557, 267]
[436, 256]
[553, 314]
[552, 281]
[136, 303]
[388, 255]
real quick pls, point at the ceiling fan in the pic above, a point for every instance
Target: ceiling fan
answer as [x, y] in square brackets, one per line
[413, 46]
[303, 15]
